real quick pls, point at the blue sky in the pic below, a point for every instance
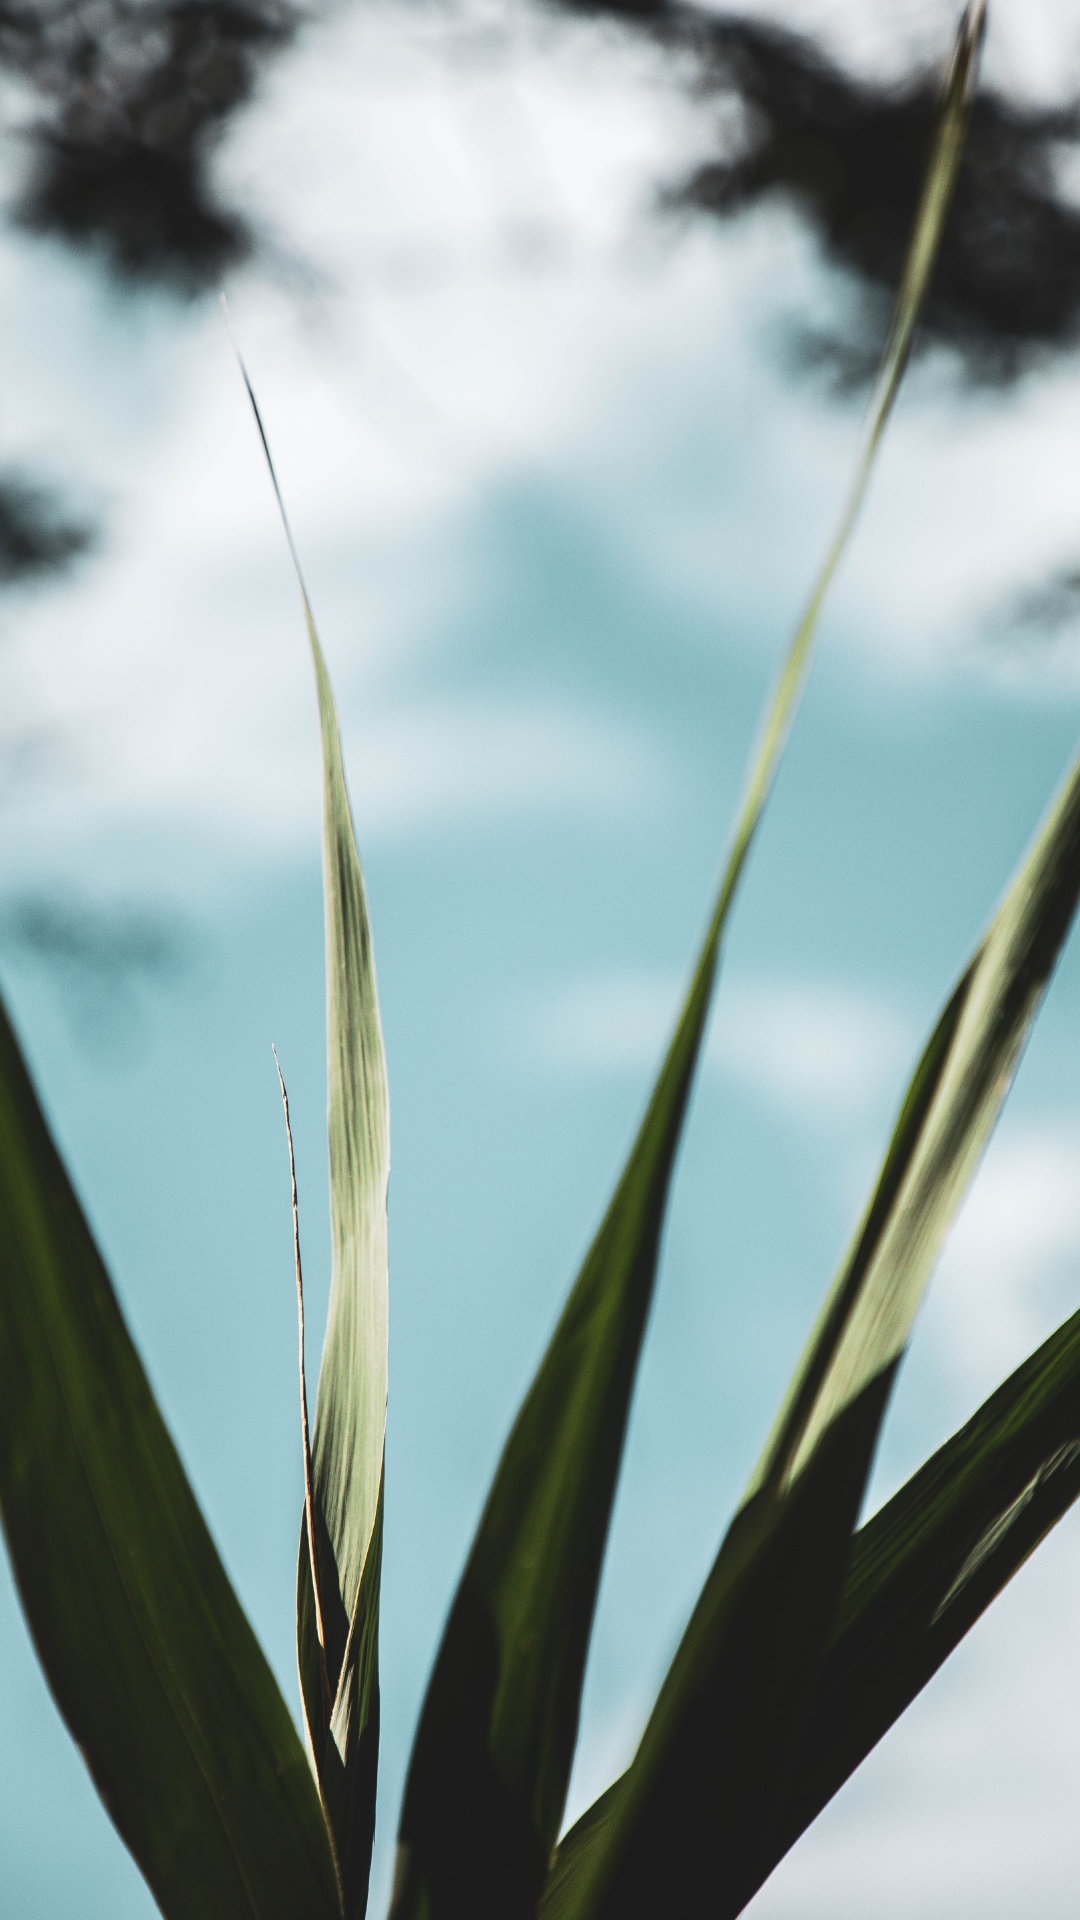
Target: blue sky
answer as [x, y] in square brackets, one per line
[558, 503]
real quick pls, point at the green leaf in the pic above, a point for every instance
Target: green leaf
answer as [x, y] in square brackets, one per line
[146, 1648]
[931, 1561]
[702, 1806]
[921, 1572]
[491, 1761]
[337, 1615]
[350, 1414]
[350, 1417]
[687, 1827]
[347, 1737]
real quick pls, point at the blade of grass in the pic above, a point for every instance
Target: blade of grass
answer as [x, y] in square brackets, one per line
[148, 1653]
[932, 1559]
[491, 1760]
[350, 1414]
[708, 1787]
[920, 1574]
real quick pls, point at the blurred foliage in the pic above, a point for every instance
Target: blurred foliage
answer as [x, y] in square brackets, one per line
[101, 956]
[848, 154]
[134, 94]
[38, 535]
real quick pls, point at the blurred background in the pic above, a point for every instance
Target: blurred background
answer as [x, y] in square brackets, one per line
[561, 318]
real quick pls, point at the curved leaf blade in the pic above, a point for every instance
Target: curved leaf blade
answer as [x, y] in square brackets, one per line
[347, 1734]
[148, 1653]
[867, 1318]
[930, 1562]
[920, 1574]
[708, 1786]
[350, 1412]
[492, 1756]
[339, 1678]
[488, 1775]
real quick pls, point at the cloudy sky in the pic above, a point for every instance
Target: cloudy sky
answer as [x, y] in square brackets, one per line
[558, 495]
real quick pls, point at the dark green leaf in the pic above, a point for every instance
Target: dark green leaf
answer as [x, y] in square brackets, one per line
[701, 1809]
[149, 1655]
[920, 1574]
[349, 1747]
[930, 1562]
[493, 1751]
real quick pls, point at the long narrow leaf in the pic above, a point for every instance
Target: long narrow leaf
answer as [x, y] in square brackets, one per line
[339, 1672]
[350, 1413]
[929, 1563]
[921, 1573]
[147, 1650]
[708, 1787]
[493, 1751]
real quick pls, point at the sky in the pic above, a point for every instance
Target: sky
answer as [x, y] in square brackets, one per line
[559, 498]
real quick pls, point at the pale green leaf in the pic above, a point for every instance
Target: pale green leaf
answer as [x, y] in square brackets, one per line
[337, 1618]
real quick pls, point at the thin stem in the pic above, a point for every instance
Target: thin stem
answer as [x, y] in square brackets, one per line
[309, 1484]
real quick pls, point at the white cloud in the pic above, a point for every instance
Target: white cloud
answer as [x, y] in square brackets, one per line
[459, 760]
[610, 1024]
[813, 1051]
[441, 349]
[1011, 1267]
